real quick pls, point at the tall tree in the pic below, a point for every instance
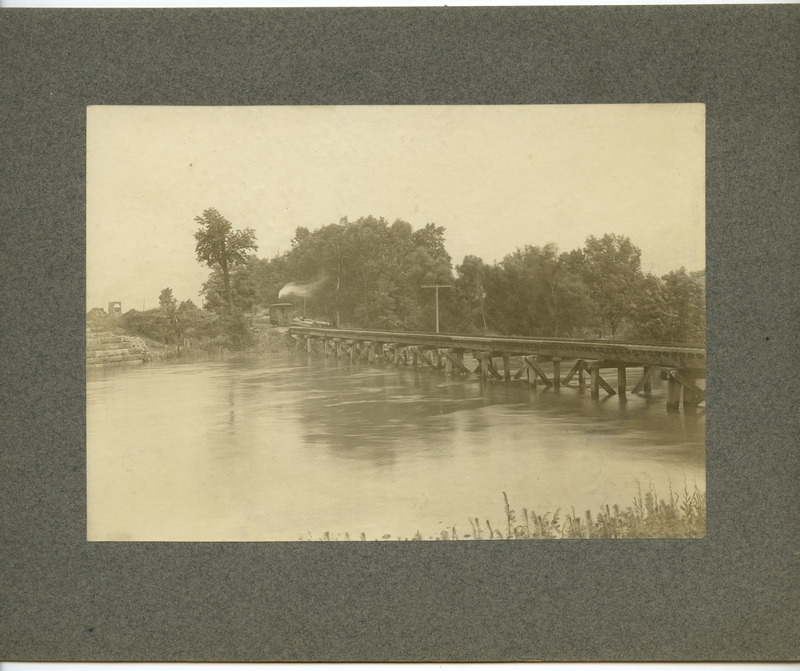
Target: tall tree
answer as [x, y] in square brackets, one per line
[219, 246]
[613, 271]
[167, 301]
[470, 294]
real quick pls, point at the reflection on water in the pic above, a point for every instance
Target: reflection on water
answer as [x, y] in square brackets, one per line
[282, 448]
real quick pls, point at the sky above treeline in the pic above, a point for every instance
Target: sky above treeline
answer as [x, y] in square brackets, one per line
[496, 177]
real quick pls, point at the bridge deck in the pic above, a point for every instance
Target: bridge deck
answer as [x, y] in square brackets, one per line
[691, 357]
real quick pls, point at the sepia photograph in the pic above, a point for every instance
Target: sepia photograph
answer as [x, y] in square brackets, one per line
[400, 335]
[395, 323]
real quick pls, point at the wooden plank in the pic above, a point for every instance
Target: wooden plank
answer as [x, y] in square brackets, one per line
[622, 381]
[643, 384]
[483, 361]
[575, 368]
[692, 394]
[532, 375]
[456, 363]
[581, 375]
[448, 362]
[607, 387]
[556, 372]
[598, 382]
[425, 358]
[493, 369]
[674, 389]
[506, 367]
[537, 369]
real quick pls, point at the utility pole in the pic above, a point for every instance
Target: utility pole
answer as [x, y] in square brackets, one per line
[437, 287]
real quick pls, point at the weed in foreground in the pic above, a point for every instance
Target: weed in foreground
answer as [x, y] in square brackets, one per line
[676, 515]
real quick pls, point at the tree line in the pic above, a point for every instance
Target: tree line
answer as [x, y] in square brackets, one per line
[371, 273]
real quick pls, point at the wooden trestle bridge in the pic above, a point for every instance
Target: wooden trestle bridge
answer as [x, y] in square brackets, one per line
[681, 365]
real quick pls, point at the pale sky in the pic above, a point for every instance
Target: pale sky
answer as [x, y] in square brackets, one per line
[496, 177]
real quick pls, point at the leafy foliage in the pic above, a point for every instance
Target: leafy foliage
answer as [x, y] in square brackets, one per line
[218, 245]
[370, 273]
[167, 301]
[613, 273]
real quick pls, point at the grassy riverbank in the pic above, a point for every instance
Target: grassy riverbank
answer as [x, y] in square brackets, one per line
[202, 336]
[677, 515]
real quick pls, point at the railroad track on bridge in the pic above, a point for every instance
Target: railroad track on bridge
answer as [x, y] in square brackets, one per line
[683, 365]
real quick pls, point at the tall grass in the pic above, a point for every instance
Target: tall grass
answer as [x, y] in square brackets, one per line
[675, 515]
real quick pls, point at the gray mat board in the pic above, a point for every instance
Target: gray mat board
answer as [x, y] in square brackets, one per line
[733, 595]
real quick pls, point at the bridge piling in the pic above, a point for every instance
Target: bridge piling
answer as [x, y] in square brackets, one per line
[674, 390]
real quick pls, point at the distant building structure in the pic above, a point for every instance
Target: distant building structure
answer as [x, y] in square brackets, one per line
[115, 309]
[281, 314]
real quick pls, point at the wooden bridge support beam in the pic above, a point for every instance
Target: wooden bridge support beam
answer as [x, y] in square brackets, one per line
[456, 361]
[682, 383]
[673, 393]
[692, 394]
[420, 353]
[645, 384]
[557, 372]
[485, 365]
[598, 382]
[622, 381]
[579, 369]
[448, 362]
[507, 367]
[491, 367]
[537, 371]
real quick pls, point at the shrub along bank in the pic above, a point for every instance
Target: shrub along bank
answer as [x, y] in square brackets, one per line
[192, 333]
